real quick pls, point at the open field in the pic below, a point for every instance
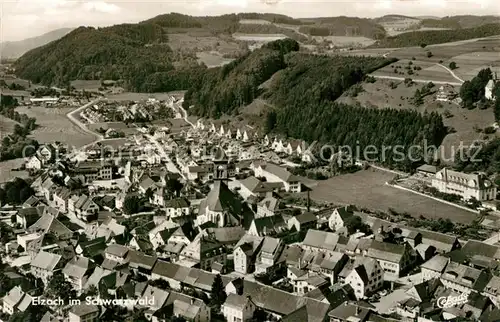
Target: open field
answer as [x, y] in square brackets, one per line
[255, 22]
[202, 41]
[7, 173]
[129, 96]
[463, 121]
[344, 41]
[88, 85]
[55, 126]
[429, 72]
[367, 189]
[470, 56]
[6, 125]
[212, 59]
[258, 37]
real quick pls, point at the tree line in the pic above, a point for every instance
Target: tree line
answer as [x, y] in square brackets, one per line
[430, 37]
[303, 90]
[13, 146]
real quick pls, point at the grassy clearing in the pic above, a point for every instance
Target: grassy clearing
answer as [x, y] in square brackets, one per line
[212, 59]
[55, 126]
[7, 173]
[6, 125]
[367, 189]
[202, 42]
[463, 121]
[88, 85]
[429, 71]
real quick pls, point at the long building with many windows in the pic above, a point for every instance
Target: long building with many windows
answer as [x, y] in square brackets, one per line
[466, 185]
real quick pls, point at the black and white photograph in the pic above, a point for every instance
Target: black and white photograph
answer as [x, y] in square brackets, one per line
[249, 161]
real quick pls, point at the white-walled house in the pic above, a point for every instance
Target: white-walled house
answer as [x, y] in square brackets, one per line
[177, 207]
[365, 276]
[238, 308]
[16, 301]
[338, 218]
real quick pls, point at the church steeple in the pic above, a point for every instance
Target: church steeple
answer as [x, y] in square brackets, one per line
[221, 165]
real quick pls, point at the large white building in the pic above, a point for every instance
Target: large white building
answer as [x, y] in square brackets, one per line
[488, 90]
[465, 185]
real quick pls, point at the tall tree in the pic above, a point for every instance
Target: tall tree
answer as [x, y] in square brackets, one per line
[218, 293]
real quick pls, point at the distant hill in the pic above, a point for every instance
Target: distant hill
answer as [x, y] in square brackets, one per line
[431, 37]
[456, 22]
[343, 26]
[15, 49]
[391, 18]
[137, 53]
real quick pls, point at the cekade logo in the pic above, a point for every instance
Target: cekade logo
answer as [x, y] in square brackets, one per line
[450, 301]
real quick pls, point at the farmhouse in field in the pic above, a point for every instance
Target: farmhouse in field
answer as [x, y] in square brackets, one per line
[446, 93]
[465, 185]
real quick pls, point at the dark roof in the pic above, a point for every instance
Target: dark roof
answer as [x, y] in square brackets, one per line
[177, 203]
[347, 310]
[269, 224]
[137, 259]
[306, 217]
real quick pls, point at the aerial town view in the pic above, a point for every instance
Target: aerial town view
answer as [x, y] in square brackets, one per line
[250, 161]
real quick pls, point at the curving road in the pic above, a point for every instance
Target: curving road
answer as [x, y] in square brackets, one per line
[185, 115]
[452, 73]
[71, 116]
[417, 80]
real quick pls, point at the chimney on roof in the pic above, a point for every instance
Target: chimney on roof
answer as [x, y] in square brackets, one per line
[192, 301]
[358, 310]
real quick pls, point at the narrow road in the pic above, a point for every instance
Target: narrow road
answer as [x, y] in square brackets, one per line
[452, 73]
[73, 117]
[164, 155]
[417, 80]
[184, 114]
[399, 173]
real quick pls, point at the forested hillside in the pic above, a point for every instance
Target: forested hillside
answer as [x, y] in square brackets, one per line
[456, 22]
[303, 94]
[344, 26]
[124, 51]
[431, 37]
[224, 89]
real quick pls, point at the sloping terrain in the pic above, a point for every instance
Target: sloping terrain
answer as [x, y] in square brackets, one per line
[15, 49]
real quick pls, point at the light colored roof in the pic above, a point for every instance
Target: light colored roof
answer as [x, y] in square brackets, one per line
[270, 244]
[280, 172]
[436, 263]
[269, 203]
[77, 267]
[158, 295]
[386, 251]
[117, 250]
[14, 296]
[46, 261]
[236, 301]
[321, 239]
[470, 180]
[255, 185]
[48, 223]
